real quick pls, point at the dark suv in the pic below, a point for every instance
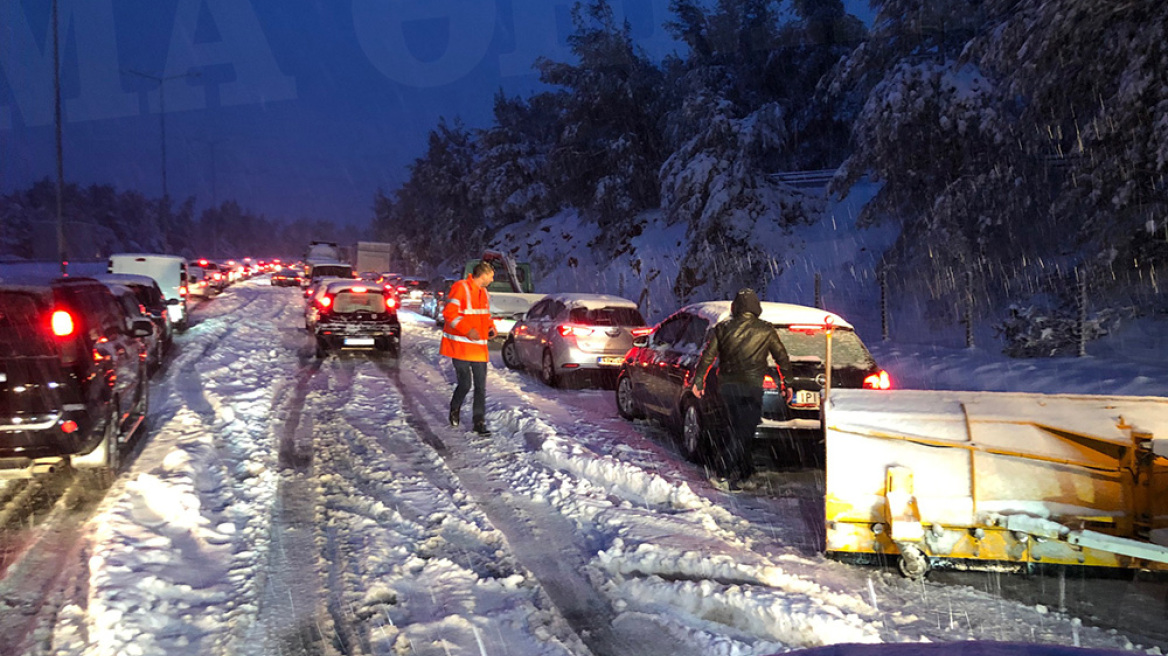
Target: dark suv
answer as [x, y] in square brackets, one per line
[72, 377]
[657, 374]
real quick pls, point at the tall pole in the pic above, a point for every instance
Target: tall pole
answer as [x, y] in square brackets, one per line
[61, 254]
[162, 80]
[162, 124]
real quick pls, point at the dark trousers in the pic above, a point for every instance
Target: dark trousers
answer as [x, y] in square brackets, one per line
[743, 404]
[467, 372]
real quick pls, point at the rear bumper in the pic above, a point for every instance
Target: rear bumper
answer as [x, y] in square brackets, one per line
[359, 336]
[42, 438]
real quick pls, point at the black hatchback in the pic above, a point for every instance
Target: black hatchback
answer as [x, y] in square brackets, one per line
[657, 374]
[353, 315]
[72, 377]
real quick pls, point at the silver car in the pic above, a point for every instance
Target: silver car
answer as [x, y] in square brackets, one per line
[569, 333]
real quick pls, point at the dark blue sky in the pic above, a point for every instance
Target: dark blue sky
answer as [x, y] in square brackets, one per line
[299, 108]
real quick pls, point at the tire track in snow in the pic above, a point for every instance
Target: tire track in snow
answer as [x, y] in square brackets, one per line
[546, 543]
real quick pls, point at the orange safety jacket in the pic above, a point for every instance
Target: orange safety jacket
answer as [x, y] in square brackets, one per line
[467, 307]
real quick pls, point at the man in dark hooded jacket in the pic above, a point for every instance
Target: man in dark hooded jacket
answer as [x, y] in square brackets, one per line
[742, 345]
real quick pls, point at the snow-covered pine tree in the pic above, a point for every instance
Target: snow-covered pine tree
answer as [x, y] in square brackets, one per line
[609, 146]
[510, 179]
[721, 135]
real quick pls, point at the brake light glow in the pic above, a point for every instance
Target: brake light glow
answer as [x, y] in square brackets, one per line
[358, 290]
[768, 382]
[805, 328]
[63, 325]
[218, 276]
[325, 301]
[202, 262]
[402, 289]
[69, 426]
[578, 331]
[641, 332]
[878, 381]
[390, 302]
[182, 291]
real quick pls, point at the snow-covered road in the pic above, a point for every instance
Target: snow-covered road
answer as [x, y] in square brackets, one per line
[283, 505]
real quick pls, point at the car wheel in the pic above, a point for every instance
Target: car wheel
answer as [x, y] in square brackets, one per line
[626, 400]
[695, 444]
[142, 407]
[104, 475]
[547, 370]
[511, 355]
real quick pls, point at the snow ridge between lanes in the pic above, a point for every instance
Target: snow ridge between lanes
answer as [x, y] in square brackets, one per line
[178, 542]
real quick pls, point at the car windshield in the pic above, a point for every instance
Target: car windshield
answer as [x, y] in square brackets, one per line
[606, 316]
[23, 328]
[846, 348]
[347, 302]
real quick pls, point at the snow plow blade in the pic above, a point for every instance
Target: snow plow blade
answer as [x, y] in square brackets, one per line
[982, 479]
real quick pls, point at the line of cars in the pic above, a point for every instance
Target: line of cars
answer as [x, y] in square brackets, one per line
[75, 358]
[567, 335]
[76, 354]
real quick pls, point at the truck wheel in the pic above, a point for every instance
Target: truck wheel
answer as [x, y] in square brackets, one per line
[104, 475]
[511, 355]
[913, 563]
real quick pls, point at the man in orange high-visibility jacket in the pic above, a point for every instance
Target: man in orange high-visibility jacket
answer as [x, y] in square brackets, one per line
[464, 340]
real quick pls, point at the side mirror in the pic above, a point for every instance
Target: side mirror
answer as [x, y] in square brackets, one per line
[172, 301]
[641, 341]
[142, 328]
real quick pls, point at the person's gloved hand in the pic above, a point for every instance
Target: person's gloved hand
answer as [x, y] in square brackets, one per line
[473, 334]
[698, 390]
[492, 333]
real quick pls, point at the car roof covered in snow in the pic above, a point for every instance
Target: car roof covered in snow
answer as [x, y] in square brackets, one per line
[592, 301]
[345, 284]
[780, 314]
[127, 279]
[154, 256]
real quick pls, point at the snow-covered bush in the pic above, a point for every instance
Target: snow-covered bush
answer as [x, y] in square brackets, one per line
[1038, 331]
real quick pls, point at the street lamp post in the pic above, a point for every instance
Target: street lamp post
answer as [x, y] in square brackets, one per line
[62, 256]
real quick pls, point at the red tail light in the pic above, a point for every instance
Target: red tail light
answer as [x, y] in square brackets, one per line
[63, 324]
[878, 381]
[182, 291]
[806, 328]
[641, 332]
[390, 303]
[768, 383]
[402, 289]
[218, 276]
[69, 426]
[325, 301]
[578, 331]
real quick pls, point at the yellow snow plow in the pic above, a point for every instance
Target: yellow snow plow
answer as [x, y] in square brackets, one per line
[980, 479]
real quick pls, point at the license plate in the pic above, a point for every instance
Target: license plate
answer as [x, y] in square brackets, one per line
[806, 397]
[359, 341]
[610, 360]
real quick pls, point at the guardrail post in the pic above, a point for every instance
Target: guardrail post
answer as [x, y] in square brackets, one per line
[1082, 278]
[884, 303]
[969, 308]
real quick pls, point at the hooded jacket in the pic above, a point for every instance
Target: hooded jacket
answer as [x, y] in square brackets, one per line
[742, 345]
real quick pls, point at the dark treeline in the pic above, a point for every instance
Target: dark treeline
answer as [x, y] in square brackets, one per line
[1009, 136]
[100, 220]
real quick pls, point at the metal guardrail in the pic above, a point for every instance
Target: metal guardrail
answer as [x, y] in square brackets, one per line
[817, 179]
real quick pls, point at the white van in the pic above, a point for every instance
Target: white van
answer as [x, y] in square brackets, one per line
[169, 271]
